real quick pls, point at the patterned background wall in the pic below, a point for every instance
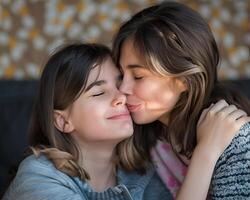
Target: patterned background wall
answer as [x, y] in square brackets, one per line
[31, 29]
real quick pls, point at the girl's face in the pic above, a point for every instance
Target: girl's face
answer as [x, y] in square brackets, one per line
[149, 97]
[100, 113]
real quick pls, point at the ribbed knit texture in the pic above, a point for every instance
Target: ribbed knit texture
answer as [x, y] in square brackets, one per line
[231, 179]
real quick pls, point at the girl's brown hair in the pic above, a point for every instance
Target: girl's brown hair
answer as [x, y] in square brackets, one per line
[176, 42]
[63, 79]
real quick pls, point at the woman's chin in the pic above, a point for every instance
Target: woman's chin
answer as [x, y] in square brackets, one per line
[140, 119]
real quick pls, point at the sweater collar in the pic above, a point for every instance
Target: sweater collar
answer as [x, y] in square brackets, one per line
[135, 182]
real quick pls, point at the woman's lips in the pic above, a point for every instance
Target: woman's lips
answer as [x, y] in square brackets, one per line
[133, 108]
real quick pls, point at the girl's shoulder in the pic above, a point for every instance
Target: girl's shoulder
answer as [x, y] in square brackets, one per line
[38, 168]
[37, 177]
[37, 165]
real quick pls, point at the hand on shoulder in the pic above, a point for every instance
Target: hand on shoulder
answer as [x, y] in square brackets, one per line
[218, 125]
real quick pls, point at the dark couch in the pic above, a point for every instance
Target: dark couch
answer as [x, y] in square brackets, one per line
[16, 103]
[16, 100]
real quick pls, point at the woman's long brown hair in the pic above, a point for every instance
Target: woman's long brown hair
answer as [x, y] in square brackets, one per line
[176, 42]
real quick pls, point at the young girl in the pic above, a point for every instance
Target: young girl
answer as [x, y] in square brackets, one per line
[81, 135]
[169, 58]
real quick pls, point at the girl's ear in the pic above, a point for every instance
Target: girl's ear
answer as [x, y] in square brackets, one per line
[61, 121]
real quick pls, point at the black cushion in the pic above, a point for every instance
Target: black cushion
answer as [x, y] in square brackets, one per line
[16, 101]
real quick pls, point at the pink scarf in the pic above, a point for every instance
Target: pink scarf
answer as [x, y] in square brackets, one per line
[169, 166]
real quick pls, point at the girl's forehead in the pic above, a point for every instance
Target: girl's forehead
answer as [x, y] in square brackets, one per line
[105, 70]
[94, 73]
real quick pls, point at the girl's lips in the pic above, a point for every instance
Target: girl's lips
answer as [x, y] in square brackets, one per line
[133, 108]
[125, 115]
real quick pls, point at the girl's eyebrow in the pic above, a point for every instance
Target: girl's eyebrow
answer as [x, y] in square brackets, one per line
[101, 82]
[95, 83]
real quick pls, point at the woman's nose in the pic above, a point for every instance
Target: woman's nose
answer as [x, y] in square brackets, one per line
[125, 86]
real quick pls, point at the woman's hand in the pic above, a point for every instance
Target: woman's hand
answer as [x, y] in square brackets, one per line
[217, 126]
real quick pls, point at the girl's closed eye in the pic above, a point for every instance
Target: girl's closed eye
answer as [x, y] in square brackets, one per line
[97, 94]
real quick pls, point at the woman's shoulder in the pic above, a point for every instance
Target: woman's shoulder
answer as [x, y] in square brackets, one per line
[232, 173]
[238, 150]
[244, 134]
[239, 145]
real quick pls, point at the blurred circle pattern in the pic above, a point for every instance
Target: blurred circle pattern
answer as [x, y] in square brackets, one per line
[30, 30]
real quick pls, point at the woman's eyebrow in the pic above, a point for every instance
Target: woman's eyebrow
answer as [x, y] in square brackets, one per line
[132, 66]
[95, 83]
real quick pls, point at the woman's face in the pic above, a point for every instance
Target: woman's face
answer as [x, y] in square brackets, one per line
[149, 97]
[100, 113]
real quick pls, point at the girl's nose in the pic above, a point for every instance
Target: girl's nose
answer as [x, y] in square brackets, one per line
[120, 99]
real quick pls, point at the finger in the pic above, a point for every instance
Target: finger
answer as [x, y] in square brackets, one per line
[228, 109]
[243, 120]
[237, 114]
[203, 114]
[218, 106]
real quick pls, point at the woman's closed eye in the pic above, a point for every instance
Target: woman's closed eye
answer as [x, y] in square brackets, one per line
[138, 77]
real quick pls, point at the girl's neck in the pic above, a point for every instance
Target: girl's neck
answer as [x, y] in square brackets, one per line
[98, 161]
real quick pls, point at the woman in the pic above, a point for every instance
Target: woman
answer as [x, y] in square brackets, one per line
[169, 58]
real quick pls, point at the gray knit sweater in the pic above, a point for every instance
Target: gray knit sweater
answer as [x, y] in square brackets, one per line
[231, 179]
[38, 179]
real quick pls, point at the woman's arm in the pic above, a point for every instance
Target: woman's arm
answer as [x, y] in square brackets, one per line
[199, 174]
[215, 130]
